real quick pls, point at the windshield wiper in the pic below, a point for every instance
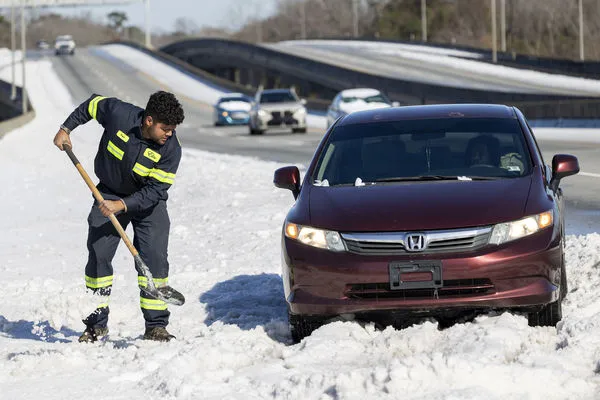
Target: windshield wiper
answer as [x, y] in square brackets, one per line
[436, 178]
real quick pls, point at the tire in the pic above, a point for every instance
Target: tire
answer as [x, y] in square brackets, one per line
[301, 327]
[256, 131]
[298, 130]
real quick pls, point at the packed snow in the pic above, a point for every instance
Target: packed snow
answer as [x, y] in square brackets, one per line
[448, 61]
[232, 336]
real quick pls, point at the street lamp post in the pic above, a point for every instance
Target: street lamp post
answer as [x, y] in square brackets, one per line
[503, 25]
[23, 57]
[13, 45]
[424, 20]
[494, 50]
[581, 55]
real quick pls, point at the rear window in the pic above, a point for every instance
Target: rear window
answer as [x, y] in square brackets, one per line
[379, 98]
[466, 147]
[228, 99]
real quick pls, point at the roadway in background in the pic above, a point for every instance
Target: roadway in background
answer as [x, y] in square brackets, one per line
[91, 71]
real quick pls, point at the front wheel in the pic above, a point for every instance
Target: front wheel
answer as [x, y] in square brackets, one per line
[549, 315]
[301, 326]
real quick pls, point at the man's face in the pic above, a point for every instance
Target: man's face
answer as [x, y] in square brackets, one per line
[157, 131]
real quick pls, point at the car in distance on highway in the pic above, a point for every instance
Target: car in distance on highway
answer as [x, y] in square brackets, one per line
[277, 109]
[42, 44]
[232, 109]
[444, 211]
[64, 44]
[358, 99]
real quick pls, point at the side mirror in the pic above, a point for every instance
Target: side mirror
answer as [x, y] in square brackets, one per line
[395, 103]
[303, 101]
[288, 178]
[563, 165]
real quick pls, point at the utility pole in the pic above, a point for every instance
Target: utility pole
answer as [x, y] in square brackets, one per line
[23, 56]
[494, 50]
[355, 17]
[503, 25]
[581, 55]
[303, 19]
[13, 45]
[147, 17]
[424, 20]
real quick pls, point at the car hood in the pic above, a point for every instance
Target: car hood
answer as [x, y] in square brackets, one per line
[360, 106]
[291, 106]
[418, 205]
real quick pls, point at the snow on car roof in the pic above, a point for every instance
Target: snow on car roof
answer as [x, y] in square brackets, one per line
[360, 92]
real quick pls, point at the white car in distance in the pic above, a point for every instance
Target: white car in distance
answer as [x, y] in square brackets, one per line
[358, 99]
[64, 44]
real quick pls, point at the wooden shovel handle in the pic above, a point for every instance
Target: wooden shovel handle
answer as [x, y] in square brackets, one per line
[99, 198]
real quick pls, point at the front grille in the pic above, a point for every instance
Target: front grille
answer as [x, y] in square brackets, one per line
[286, 119]
[451, 288]
[372, 248]
[394, 243]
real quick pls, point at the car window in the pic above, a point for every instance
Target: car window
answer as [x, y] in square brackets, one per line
[277, 97]
[465, 147]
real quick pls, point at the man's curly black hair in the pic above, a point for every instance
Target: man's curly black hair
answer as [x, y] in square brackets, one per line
[163, 107]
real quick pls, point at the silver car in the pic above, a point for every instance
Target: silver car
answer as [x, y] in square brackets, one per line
[277, 109]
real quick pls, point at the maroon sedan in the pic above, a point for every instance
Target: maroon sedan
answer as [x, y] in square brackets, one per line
[440, 210]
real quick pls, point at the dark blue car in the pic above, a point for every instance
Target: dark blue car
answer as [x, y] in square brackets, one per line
[232, 109]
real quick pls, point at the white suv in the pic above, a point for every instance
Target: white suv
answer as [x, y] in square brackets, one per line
[276, 109]
[64, 44]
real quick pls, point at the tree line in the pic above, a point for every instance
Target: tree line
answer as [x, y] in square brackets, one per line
[547, 28]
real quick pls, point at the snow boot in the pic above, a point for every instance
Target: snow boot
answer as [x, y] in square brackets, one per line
[93, 334]
[158, 333]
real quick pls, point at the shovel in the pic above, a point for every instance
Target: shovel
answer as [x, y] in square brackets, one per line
[164, 293]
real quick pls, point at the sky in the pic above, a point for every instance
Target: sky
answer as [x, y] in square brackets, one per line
[229, 14]
[232, 336]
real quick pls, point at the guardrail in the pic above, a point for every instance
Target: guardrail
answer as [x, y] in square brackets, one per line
[11, 115]
[319, 81]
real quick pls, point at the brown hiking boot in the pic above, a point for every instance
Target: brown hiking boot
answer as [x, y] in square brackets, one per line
[158, 333]
[91, 334]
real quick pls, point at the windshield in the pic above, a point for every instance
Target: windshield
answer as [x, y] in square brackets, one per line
[412, 150]
[277, 97]
[379, 98]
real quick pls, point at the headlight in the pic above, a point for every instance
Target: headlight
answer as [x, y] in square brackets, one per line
[322, 239]
[262, 113]
[224, 113]
[508, 231]
[300, 111]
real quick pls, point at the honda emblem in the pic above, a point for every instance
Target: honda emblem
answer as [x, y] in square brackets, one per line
[415, 242]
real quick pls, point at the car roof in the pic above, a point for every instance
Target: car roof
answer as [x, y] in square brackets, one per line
[430, 112]
[360, 92]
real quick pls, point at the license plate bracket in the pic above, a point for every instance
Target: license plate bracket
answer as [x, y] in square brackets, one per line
[415, 275]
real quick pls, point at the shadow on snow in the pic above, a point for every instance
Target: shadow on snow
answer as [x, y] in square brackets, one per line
[249, 301]
[39, 330]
